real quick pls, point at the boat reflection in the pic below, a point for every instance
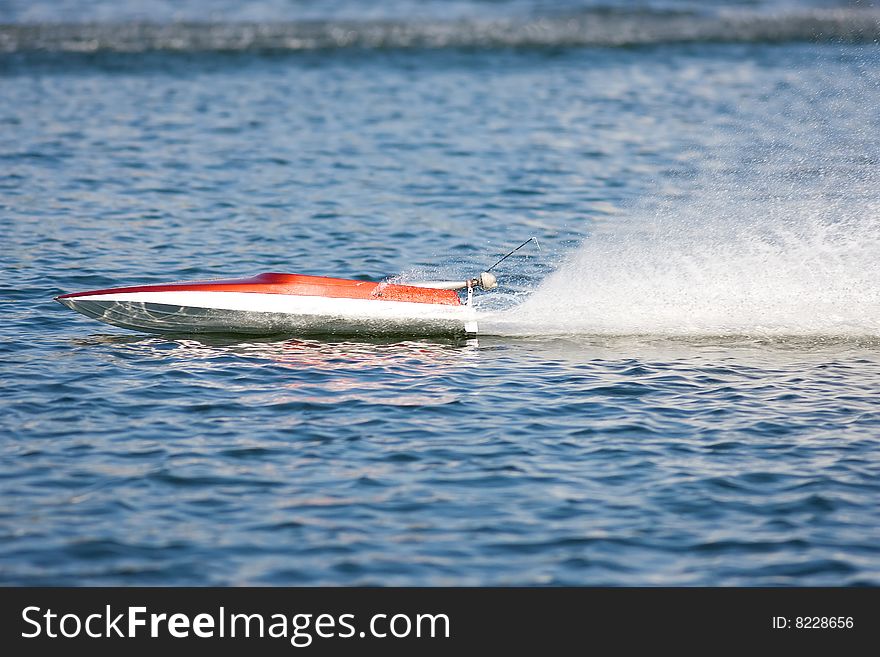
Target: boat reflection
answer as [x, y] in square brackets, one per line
[359, 348]
[272, 371]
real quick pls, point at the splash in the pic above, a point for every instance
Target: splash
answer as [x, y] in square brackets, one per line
[782, 244]
[815, 276]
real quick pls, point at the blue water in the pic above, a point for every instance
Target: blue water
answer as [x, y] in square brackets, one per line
[679, 388]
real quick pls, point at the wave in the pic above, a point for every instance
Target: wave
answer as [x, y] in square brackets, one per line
[595, 28]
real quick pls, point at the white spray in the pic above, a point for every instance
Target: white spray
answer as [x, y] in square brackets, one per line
[787, 243]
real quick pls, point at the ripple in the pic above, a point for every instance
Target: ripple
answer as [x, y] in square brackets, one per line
[695, 459]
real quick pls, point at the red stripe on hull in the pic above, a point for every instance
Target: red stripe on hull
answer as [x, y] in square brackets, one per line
[299, 285]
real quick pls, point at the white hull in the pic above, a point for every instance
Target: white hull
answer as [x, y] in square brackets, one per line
[265, 314]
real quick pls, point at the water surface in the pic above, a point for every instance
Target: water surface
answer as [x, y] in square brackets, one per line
[680, 388]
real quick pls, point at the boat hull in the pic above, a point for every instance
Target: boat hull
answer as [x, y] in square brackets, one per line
[255, 313]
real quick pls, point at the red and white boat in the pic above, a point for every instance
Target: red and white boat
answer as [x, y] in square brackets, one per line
[294, 304]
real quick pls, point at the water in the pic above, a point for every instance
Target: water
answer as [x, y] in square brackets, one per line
[679, 388]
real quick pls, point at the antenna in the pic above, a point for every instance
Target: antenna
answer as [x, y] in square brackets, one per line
[485, 280]
[510, 253]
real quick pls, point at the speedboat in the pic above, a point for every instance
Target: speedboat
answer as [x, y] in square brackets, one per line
[296, 304]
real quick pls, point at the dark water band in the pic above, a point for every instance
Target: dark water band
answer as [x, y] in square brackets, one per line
[590, 29]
